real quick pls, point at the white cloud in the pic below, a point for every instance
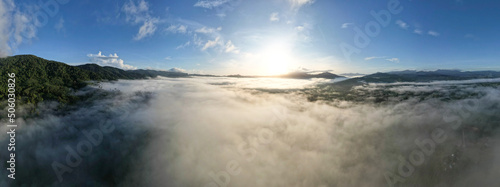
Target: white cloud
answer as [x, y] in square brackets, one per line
[346, 25]
[59, 26]
[274, 17]
[147, 29]
[402, 24]
[395, 60]
[15, 27]
[211, 43]
[198, 41]
[5, 49]
[303, 32]
[209, 4]
[139, 13]
[183, 45]
[182, 29]
[418, 31]
[208, 30]
[296, 4]
[136, 13]
[433, 33]
[218, 44]
[230, 48]
[112, 60]
[203, 37]
[177, 29]
[5, 18]
[177, 70]
[168, 58]
[374, 57]
[23, 27]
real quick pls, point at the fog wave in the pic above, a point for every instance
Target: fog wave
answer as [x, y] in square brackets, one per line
[229, 132]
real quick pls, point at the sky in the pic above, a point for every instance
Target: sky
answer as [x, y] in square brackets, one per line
[257, 37]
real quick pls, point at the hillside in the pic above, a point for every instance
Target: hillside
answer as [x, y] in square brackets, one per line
[109, 73]
[344, 89]
[416, 76]
[38, 79]
[155, 73]
[304, 75]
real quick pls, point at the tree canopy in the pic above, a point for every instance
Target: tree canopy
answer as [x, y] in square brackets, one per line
[38, 79]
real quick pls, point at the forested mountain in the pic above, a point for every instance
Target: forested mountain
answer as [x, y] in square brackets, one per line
[38, 79]
[416, 76]
[109, 73]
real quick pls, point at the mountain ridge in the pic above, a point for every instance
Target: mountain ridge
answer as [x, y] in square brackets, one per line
[415, 76]
[39, 79]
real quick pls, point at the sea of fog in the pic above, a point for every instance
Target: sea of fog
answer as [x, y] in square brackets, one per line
[257, 132]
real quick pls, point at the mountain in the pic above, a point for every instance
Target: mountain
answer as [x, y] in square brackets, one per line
[155, 73]
[304, 75]
[352, 74]
[109, 73]
[293, 75]
[425, 76]
[416, 76]
[38, 79]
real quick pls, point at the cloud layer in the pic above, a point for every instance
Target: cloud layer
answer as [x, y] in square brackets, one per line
[182, 132]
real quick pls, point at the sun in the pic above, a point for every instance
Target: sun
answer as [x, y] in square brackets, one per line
[277, 58]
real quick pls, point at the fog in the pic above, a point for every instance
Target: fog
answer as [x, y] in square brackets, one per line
[242, 132]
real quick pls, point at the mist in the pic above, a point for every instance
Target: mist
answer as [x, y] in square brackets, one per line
[242, 132]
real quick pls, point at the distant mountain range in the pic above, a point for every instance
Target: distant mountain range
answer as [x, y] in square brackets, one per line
[39, 79]
[304, 75]
[295, 75]
[352, 75]
[416, 76]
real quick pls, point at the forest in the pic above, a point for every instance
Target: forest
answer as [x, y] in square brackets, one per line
[38, 79]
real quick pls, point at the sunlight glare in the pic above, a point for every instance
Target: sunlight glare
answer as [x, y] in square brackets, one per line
[277, 58]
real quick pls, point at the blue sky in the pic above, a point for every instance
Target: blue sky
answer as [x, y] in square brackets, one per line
[257, 37]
